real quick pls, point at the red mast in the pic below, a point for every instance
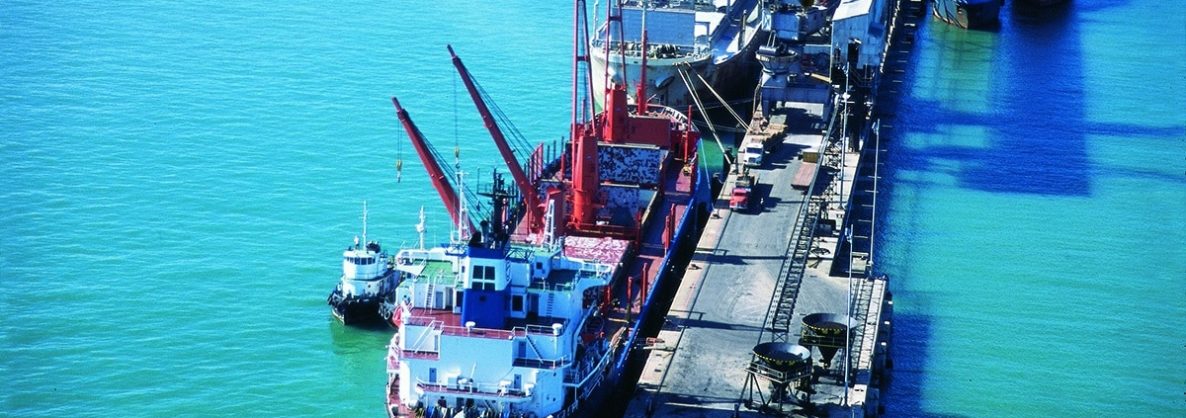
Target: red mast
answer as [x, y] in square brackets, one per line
[585, 180]
[530, 196]
[439, 180]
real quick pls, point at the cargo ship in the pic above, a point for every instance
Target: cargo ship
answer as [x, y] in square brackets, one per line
[367, 281]
[535, 308]
[687, 42]
[969, 14]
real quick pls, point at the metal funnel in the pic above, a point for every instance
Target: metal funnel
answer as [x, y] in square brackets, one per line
[825, 331]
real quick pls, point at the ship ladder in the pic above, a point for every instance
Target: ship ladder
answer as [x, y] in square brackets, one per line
[430, 298]
[535, 349]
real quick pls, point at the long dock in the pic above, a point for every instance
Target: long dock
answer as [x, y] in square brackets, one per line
[756, 277]
[697, 366]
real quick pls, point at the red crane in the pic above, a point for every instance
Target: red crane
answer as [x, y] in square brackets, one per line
[530, 196]
[439, 180]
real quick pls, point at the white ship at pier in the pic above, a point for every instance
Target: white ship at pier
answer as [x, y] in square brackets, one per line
[686, 40]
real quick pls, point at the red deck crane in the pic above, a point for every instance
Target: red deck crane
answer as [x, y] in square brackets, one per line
[526, 189]
[439, 180]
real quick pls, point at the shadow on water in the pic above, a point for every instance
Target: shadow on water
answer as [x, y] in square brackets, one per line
[1029, 139]
[1042, 148]
[905, 386]
[1033, 124]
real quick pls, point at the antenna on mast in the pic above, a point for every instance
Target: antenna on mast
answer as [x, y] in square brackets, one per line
[463, 213]
[364, 222]
[421, 228]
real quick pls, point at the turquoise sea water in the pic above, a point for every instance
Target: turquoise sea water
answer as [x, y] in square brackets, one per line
[178, 180]
[1035, 222]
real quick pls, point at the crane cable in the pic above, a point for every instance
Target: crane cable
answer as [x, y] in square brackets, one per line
[718, 96]
[696, 98]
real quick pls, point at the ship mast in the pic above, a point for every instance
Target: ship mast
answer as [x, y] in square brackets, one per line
[463, 224]
[421, 228]
[584, 140]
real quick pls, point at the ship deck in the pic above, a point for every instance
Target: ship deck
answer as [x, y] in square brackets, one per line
[636, 273]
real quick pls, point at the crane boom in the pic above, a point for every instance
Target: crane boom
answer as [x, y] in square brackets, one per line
[439, 180]
[530, 196]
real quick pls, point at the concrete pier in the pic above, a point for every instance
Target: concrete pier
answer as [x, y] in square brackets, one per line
[755, 276]
[697, 364]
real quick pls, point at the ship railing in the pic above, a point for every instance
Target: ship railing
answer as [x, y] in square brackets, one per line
[670, 113]
[471, 389]
[498, 334]
[674, 4]
[539, 329]
[414, 256]
[543, 284]
[584, 271]
[393, 401]
[457, 249]
[595, 268]
[579, 376]
[698, 50]
[420, 354]
[541, 363]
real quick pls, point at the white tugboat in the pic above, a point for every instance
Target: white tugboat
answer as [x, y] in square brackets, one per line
[367, 279]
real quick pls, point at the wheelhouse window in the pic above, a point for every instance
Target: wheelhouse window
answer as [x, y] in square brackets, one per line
[362, 261]
[483, 278]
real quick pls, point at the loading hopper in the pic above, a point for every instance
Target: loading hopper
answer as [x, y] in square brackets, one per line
[825, 331]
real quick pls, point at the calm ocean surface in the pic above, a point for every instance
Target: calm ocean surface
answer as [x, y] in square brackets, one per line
[178, 180]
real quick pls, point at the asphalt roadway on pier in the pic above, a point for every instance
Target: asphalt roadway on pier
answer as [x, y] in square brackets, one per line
[696, 366]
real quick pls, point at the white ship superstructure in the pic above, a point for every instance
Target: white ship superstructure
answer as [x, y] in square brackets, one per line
[514, 330]
[686, 39]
